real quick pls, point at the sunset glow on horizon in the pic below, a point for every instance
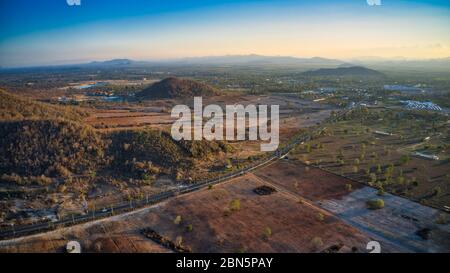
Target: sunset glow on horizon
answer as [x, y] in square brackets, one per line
[54, 32]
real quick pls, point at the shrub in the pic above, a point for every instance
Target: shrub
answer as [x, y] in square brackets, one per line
[267, 232]
[379, 170]
[437, 191]
[375, 204]
[317, 243]
[179, 241]
[320, 217]
[404, 159]
[226, 211]
[177, 220]
[400, 180]
[348, 187]
[235, 205]
[308, 148]
[189, 228]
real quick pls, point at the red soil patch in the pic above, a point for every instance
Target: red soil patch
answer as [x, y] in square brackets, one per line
[309, 182]
[293, 225]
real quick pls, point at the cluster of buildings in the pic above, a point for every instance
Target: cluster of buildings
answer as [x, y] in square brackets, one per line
[404, 88]
[412, 104]
[81, 98]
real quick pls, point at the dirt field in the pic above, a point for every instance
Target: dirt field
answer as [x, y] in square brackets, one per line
[308, 182]
[397, 223]
[273, 223]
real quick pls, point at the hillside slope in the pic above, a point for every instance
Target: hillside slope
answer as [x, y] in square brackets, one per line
[36, 147]
[13, 107]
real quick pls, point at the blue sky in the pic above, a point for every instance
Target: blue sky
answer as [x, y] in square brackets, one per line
[52, 32]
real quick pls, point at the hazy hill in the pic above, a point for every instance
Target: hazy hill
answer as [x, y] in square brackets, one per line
[114, 62]
[13, 107]
[253, 61]
[177, 88]
[426, 65]
[344, 71]
[260, 60]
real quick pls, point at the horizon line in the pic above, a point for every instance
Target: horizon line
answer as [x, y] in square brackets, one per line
[178, 59]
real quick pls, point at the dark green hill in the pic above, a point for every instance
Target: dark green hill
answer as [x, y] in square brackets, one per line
[177, 88]
[159, 148]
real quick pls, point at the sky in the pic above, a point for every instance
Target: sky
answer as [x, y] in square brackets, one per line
[48, 32]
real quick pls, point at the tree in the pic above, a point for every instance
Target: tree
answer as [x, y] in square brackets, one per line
[404, 159]
[317, 243]
[177, 220]
[437, 191]
[348, 187]
[179, 241]
[189, 228]
[373, 177]
[320, 217]
[379, 170]
[308, 148]
[375, 204]
[235, 205]
[267, 232]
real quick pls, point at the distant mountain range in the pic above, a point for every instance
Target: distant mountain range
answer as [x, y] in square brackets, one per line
[439, 64]
[260, 61]
[345, 71]
[113, 62]
[228, 60]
